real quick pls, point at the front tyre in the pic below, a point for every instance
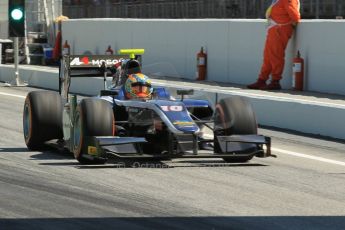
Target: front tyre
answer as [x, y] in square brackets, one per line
[94, 117]
[235, 116]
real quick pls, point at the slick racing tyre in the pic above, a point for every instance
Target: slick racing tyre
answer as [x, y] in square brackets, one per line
[42, 118]
[94, 117]
[234, 116]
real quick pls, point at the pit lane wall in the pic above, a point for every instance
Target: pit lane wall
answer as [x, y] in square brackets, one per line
[234, 47]
[278, 111]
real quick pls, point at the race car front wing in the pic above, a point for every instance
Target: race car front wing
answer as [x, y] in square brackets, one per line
[236, 145]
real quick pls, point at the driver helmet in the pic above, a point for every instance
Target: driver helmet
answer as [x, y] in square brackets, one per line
[138, 86]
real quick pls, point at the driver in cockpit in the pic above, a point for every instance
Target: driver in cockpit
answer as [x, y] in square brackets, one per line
[123, 70]
[138, 86]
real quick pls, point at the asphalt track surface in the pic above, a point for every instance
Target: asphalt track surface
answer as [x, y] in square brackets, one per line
[301, 189]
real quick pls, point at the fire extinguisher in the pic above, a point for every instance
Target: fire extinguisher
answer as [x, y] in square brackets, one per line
[298, 72]
[201, 58]
[66, 49]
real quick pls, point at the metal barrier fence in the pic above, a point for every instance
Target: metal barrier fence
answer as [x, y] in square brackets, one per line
[196, 9]
[167, 9]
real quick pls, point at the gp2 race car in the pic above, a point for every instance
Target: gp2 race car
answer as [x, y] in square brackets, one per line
[162, 127]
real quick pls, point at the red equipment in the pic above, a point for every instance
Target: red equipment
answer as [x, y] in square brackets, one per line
[201, 58]
[66, 49]
[298, 72]
[57, 46]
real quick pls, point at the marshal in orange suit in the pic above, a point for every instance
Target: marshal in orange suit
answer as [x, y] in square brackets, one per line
[282, 17]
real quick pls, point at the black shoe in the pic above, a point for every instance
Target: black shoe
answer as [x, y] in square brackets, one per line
[274, 85]
[257, 85]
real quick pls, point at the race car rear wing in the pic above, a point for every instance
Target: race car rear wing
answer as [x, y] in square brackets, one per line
[92, 66]
[85, 66]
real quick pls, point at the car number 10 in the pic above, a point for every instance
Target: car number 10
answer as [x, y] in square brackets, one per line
[172, 108]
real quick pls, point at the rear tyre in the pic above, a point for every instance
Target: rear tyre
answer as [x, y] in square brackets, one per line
[234, 116]
[42, 118]
[94, 117]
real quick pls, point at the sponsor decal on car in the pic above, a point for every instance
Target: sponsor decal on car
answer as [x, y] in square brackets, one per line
[91, 150]
[183, 123]
[80, 61]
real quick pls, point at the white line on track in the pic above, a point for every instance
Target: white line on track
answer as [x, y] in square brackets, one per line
[302, 155]
[308, 156]
[12, 95]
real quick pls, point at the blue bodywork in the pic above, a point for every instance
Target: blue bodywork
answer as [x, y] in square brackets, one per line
[177, 114]
[175, 110]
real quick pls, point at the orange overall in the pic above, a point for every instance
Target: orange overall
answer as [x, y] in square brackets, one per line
[282, 16]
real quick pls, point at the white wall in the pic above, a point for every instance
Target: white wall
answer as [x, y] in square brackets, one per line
[234, 47]
[48, 78]
[171, 45]
[322, 43]
[3, 19]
